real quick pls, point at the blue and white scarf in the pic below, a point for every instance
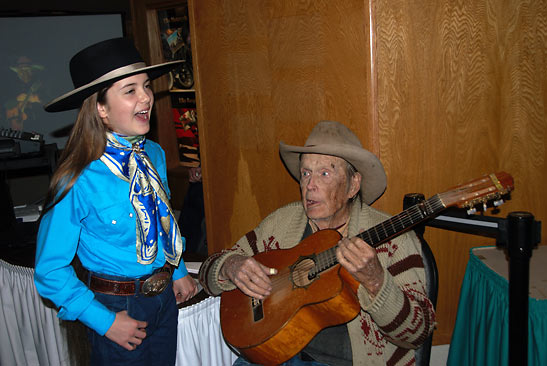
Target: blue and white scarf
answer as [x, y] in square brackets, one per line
[155, 219]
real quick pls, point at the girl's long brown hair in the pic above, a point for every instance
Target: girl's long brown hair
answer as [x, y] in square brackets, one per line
[85, 144]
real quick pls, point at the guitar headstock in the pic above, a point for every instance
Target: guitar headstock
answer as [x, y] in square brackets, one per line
[481, 191]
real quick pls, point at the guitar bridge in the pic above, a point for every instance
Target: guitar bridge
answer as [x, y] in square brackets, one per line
[258, 310]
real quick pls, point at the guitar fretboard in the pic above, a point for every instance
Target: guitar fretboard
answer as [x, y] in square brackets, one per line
[384, 231]
[397, 224]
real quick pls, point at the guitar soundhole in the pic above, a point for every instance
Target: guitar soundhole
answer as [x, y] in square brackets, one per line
[300, 272]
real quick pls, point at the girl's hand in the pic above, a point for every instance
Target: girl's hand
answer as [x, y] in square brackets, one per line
[185, 288]
[126, 331]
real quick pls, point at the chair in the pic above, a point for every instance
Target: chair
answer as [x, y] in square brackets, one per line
[423, 353]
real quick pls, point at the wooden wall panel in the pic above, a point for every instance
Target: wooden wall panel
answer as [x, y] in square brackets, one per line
[269, 71]
[461, 92]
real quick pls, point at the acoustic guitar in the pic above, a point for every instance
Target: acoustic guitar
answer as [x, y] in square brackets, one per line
[311, 291]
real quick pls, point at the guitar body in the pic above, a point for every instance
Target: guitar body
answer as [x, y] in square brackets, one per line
[272, 331]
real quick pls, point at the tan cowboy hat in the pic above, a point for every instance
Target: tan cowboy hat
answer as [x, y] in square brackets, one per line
[333, 138]
[100, 64]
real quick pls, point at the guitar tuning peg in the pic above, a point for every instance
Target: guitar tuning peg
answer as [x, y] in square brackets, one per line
[498, 203]
[484, 208]
[471, 211]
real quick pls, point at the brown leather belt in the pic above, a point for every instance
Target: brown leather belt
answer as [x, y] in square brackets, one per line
[147, 286]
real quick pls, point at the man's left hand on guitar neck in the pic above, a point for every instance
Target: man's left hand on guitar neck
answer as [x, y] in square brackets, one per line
[361, 261]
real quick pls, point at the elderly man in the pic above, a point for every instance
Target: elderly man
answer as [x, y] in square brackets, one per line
[339, 179]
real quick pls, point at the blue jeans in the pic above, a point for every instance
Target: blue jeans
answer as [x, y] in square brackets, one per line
[159, 347]
[295, 361]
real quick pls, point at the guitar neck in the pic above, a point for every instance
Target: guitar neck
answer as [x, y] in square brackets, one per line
[487, 188]
[385, 230]
[398, 224]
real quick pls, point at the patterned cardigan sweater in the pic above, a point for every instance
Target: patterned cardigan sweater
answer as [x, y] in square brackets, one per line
[392, 324]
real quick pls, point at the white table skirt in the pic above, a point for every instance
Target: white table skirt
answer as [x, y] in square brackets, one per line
[31, 334]
[200, 340]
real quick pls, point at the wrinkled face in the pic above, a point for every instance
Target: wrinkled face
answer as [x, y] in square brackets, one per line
[325, 189]
[128, 106]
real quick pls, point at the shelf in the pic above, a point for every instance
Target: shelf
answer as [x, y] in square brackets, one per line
[182, 90]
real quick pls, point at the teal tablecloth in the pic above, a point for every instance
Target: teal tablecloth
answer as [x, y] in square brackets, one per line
[481, 332]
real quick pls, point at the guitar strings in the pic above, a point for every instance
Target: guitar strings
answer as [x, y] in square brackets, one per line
[327, 258]
[405, 219]
[281, 280]
[305, 274]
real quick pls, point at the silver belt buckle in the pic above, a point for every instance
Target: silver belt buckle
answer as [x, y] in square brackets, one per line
[157, 283]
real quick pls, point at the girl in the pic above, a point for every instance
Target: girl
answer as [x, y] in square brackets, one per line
[108, 204]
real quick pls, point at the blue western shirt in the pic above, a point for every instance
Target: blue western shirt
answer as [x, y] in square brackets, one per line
[96, 221]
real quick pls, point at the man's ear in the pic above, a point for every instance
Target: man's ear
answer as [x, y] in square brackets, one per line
[355, 184]
[101, 109]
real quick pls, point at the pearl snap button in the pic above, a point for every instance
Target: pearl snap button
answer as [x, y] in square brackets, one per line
[113, 222]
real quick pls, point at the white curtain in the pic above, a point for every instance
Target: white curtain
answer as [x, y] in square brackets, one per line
[30, 333]
[200, 340]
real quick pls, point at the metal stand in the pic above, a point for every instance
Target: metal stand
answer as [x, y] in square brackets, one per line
[519, 234]
[520, 245]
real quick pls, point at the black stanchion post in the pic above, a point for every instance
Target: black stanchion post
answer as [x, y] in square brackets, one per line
[520, 232]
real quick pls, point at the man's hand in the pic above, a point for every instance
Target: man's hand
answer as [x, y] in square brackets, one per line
[185, 288]
[361, 261]
[126, 331]
[248, 275]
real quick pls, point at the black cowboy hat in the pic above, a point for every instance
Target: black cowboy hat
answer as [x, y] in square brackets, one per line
[100, 64]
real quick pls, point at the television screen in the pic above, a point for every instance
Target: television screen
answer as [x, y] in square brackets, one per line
[34, 58]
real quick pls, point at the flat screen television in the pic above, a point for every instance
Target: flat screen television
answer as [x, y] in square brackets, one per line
[34, 58]
[35, 51]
